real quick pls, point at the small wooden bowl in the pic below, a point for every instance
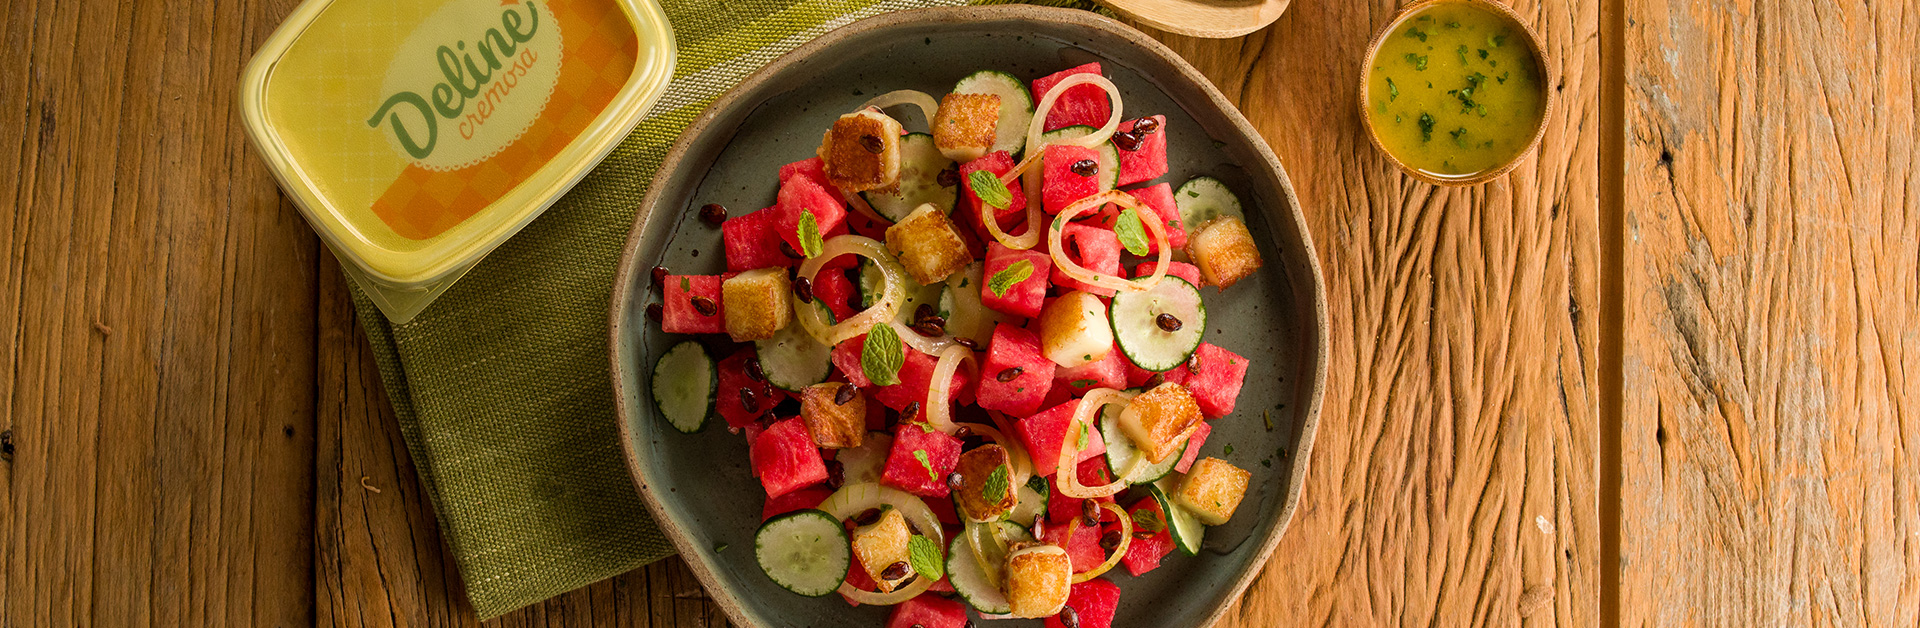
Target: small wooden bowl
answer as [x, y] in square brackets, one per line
[1212, 19]
[1548, 78]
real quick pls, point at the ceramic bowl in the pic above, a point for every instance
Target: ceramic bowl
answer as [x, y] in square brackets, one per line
[699, 486]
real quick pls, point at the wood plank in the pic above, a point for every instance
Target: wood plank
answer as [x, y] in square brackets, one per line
[1771, 437]
[159, 315]
[1453, 478]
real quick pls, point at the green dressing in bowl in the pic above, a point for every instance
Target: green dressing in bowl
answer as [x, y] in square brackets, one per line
[1455, 90]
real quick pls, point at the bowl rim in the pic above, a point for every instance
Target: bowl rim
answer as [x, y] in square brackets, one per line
[623, 292]
[1547, 69]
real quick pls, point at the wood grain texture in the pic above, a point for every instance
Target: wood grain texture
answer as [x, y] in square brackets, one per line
[1771, 445]
[1453, 480]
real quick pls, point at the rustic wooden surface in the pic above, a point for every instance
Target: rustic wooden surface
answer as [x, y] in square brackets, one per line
[1771, 443]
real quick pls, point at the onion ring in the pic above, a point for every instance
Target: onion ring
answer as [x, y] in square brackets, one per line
[928, 106]
[1102, 280]
[1126, 539]
[1016, 454]
[854, 499]
[1090, 140]
[884, 310]
[939, 411]
[1068, 478]
[930, 346]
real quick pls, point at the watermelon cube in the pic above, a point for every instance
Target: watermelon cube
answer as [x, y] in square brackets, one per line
[1021, 394]
[1215, 378]
[1084, 104]
[750, 241]
[921, 460]
[928, 610]
[1110, 371]
[735, 387]
[798, 499]
[814, 170]
[1146, 158]
[1144, 554]
[801, 195]
[846, 357]
[785, 459]
[916, 377]
[1094, 603]
[678, 313]
[1081, 542]
[1194, 442]
[1093, 248]
[1159, 198]
[997, 163]
[1046, 432]
[834, 289]
[1182, 270]
[1138, 377]
[1060, 186]
[1060, 508]
[1025, 297]
[858, 578]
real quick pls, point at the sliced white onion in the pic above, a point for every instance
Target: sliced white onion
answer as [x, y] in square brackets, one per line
[1148, 217]
[989, 550]
[1068, 477]
[939, 407]
[854, 499]
[930, 346]
[1016, 450]
[860, 206]
[895, 290]
[1113, 558]
[929, 107]
[1035, 129]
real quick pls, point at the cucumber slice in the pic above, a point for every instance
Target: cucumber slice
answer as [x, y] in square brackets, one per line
[1187, 529]
[920, 166]
[1016, 106]
[1032, 501]
[1109, 156]
[1135, 317]
[1014, 532]
[864, 463]
[1121, 451]
[806, 552]
[872, 283]
[1204, 198]
[792, 359]
[683, 385]
[970, 579]
[960, 304]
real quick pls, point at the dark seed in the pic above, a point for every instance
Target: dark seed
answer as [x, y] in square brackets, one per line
[954, 481]
[1146, 126]
[924, 312]
[1069, 617]
[1110, 540]
[747, 399]
[1008, 374]
[963, 432]
[1167, 322]
[1089, 513]
[1127, 141]
[1155, 380]
[845, 395]
[931, 328]
[704, 306]
[912, 410]
[713, 214]
[872, 144]
[787, 250]
[896, 571]
[870, 517]
[1193, 362]
[803, 289]
[754, 371]
[948, 178]
[655, 312]
[836, 473]
[660, 278]
[1084, 167]
[968, 343]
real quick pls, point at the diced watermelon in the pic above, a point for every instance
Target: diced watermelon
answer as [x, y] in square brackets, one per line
[1094, 248]
[731, 402]
[801, 195]
[1021, 299]
[1060, 508]
[785, 459]
[1094, 603]
[1109, 371]
[998, 163]
[905, 469]
[928, 611]
[944, 511]
[1215, 379]
[1046, 432]
[1082, 543]
[1194, 442]
[846, 357]
[750, 241]
[1159, 198]
[858, 578]
[1019, 396]
[833, 288]
[1144, 554]
[813, 169]
[1085, 104]
[799, 499]
[1137, 377]
[1182, 270]
[678, 316]
[1060, 186]
[1149, 158]
[916, 377]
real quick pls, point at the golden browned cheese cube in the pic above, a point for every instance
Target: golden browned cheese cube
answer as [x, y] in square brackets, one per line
[883, 544]
[977, 468]
[964, 128]
[1074, 329]
[862, 151]
[927, 245]
[1224, 251]
[1159, 421]
[759, 303]
[1211, 490]
[835, 425]
[1038, 579]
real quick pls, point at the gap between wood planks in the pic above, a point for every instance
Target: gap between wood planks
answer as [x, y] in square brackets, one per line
[1612, 382]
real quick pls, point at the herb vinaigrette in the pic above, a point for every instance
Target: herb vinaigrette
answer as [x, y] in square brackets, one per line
[1455, 90]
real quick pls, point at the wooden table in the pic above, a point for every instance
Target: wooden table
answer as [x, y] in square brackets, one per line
[1664, 373]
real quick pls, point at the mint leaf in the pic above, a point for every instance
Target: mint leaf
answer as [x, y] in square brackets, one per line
[1080, 442]
[810, 243]
[880, 359]
[1146, 521]
[921, 455]
[1038, 484]
[925, 557]
[1133, 235]
[989, 188]
[996, 487]
[1009, 277]
[1083, 383]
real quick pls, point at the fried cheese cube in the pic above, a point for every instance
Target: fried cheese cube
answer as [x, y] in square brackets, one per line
[927, 245]
[1159, 421]
[981, 497]
[862, 151]
[1038, 580]
[882, 549]
[1074, 329]
[1212, 490]
[964, 128]
[759, 303]
[836, 414]
[1224, 251]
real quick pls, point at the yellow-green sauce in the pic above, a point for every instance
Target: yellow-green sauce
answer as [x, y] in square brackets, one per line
[1455, 90]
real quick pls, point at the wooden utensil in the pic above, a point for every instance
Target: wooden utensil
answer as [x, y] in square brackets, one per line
[1215, 19]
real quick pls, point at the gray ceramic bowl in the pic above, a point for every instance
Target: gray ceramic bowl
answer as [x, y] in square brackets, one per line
[699, 486]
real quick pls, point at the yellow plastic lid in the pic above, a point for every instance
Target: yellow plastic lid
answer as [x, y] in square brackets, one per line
[418, 135]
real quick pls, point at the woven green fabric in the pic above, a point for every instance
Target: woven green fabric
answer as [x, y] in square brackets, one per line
[501, 385]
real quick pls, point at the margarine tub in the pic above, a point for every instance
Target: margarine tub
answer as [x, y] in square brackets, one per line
[418, 135]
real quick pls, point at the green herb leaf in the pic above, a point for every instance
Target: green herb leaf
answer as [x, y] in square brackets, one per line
[719, 547]
[1268, 463]
[1146, 521]
[1463, 54]
[996, 486]
[1483, 53]
[686, 285]
[1393, 91]
[1268, 416]
[989, 188]
[1008, 277]
[1496, 40]
[1417, 34]
[925, 557]
[1080, 441]
[1426, 127]
[810, 242]
[1457, 134]
[1133, 235]
[1229, 449]
[921, 455]
[1083, 383]
[1038, 485]
[1419, 61]
[880, 359]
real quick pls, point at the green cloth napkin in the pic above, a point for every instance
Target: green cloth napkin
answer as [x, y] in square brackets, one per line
[501, 386]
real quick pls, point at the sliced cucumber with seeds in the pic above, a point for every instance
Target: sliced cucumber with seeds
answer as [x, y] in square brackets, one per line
[1204, 198]
[960, 304]
[792, 359]
[1121, 451]
[1031, 502]
[866, 462]
[970, 579]
[1016, 106]
[1136, 320]
[920, 166]
[683, 386]
[1109, 157]
[804, 551]
[1187, 529]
